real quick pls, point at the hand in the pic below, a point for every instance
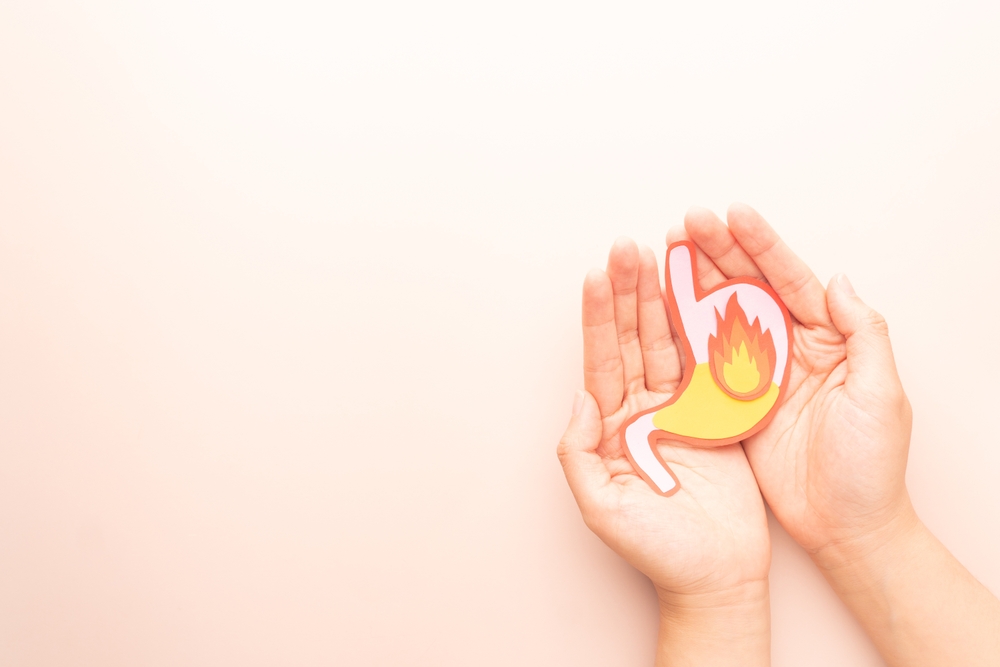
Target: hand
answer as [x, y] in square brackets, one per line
[706, 548]
[831, 463]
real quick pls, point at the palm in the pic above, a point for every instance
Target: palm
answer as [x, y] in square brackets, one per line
[710, 536]
[713, 534]
[788, 455]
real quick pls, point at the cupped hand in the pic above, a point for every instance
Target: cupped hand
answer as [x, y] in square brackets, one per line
[707, 542]
[831, 463]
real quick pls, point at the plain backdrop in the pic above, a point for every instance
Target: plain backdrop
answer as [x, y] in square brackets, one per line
[289, 304]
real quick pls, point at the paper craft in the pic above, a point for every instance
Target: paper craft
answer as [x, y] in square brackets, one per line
[737, 344]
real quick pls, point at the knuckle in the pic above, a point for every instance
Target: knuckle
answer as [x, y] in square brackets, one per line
[875, 323]
[628, 337]
[605, 365]
[796, 283]
[658, 344]
[561, 451]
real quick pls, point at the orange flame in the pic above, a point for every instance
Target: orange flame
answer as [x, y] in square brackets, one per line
[740, 356]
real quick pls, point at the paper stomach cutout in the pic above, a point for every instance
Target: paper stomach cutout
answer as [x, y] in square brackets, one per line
[737, 345]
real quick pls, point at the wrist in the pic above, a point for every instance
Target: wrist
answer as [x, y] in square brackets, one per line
[913, 598]
[731, 627]
[870, 549]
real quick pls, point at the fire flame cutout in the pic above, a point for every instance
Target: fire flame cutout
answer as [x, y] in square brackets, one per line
[741, 355]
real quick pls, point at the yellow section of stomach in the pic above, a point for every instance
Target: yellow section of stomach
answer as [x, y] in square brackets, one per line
[705, 411]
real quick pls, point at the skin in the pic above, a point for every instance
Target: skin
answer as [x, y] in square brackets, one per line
[831, 466]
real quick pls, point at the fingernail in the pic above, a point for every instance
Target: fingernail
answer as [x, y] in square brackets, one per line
[577, 402]
[845, 285]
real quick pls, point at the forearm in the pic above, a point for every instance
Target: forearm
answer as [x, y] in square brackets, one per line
[711, 631]
[919, 605]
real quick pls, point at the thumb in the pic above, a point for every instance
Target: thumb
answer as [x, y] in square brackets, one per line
[870, 364]
[584, 469]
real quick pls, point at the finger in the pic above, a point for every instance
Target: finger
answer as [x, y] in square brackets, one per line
[788, 275]
[659, 353]
[584, 469]
[714, 238]
[623, 270]
[871, 368]
[602, 363]
[708, 273]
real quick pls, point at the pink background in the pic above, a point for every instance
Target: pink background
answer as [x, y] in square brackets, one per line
[289, 305]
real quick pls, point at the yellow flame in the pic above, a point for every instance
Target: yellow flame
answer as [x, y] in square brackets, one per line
[741, 374]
